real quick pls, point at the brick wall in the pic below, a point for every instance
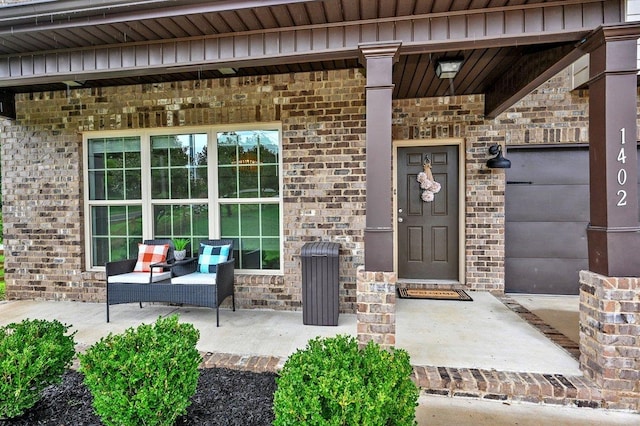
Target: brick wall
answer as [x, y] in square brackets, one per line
[42, 206]
[550, 114]
[322, 116]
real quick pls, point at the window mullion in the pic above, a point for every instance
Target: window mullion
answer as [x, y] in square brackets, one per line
[147, 206]
[212, 167]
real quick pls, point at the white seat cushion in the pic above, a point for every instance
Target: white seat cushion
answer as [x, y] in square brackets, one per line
[195, 278]
[139, 277]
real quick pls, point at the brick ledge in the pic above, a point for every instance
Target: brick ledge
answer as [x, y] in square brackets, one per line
[457, 382]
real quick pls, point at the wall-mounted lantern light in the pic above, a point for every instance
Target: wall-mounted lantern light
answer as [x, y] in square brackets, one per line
[497, 162]
[448, 68]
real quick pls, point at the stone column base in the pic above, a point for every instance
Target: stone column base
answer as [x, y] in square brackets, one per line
[376, 297]
[610, 337]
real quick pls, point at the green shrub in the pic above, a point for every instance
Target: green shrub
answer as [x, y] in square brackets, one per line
[145, 376]
[33, 355]
[333, 382]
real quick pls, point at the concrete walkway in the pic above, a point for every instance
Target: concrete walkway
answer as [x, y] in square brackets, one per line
[443, 411]
[483, 335]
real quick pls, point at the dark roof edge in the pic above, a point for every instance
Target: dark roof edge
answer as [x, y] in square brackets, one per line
[40, 11]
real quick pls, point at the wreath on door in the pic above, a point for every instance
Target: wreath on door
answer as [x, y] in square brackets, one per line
[428, 185]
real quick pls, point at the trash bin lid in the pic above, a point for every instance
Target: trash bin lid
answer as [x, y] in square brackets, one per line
[320, 248]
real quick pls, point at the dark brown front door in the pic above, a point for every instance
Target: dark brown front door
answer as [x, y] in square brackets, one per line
[428, 230]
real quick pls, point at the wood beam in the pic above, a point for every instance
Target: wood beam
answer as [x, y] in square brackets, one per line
[528, 73]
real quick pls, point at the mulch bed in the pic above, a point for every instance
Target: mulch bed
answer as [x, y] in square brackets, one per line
[223, 397]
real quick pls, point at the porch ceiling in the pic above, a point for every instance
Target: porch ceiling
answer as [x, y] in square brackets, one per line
[508, 46]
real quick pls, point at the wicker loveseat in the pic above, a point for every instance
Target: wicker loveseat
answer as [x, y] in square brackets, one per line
[179, 282]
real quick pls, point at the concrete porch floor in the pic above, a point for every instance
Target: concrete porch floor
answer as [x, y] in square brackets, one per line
[477, 351]
[483, 333]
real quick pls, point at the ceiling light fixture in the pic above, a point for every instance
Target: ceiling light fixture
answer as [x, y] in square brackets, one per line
[227, 71]
[448, 68]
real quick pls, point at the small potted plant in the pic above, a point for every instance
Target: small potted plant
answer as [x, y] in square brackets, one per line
[180, 248]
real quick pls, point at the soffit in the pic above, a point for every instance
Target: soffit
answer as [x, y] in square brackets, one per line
[43, 29]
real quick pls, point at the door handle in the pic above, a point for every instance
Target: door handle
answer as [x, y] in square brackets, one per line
[400, 220]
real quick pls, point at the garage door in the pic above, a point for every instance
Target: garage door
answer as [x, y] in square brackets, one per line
[547, 213]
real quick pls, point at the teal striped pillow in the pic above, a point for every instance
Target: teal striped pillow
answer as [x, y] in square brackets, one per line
[210, 256]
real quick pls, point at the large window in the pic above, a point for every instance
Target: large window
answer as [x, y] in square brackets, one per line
[179, 187]
[206, 183]
[249, 193]
[114, 181]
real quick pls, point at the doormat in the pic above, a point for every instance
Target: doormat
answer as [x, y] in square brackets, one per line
[433, 293]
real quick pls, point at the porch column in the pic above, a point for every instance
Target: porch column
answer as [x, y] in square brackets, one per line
[378, 60]
[376, 281]
[613, 235]
[610, 290]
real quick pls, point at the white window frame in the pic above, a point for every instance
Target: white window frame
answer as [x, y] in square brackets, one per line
[213, 200]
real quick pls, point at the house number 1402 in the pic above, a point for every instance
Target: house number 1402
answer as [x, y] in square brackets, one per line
[622, 173]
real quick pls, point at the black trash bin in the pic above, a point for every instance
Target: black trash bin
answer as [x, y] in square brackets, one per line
[320, 283]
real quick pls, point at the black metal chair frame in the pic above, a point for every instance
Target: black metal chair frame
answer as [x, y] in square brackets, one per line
[203, 295]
